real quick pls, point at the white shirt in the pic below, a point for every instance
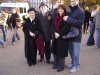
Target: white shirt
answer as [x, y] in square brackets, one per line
[93, 13]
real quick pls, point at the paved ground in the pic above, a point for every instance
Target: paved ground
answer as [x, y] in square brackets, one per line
[13, 62]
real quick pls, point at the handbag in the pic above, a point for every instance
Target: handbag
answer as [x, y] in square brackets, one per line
[74, 32]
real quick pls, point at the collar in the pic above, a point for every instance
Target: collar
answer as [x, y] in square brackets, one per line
[73, 8]
[31, 18]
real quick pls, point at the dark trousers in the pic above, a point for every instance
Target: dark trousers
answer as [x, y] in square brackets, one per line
[59, 63]
[32, 52]
[86, 25]
[91, 40]
[47, 50]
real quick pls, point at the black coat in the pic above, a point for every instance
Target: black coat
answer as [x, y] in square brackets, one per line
[13, 19]
[87, 15]
[60, 45]
[30, 44]
[45, 25]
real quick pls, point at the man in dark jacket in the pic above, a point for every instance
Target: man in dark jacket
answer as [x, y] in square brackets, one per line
[76, 18]
[45, 21]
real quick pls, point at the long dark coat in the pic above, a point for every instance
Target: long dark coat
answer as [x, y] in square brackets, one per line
[45, 25]
[60, 45]
[30, 44]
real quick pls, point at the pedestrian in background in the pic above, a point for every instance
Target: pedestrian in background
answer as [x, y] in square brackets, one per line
[97, 28]
[91, 41]
[13, 19]
[3, 23]
[87, 19]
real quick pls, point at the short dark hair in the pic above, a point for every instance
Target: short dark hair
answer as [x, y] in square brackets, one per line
[31, 9]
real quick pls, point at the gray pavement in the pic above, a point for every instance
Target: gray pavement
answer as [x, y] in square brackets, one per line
[13, 62]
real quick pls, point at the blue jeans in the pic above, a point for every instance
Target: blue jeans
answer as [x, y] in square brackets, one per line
[1, 42]
[98, 37]
[74, 50]
[15, 35]
[4, 31]
[91, 40]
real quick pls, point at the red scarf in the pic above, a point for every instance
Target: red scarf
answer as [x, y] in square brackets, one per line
[57, 23]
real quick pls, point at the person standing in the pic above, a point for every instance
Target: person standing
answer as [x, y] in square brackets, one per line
[76, 18]
[13, 18]
[60, 45]
[45, 20]
[97, 28]
[91, 41]
[30, 29]
[87, 19]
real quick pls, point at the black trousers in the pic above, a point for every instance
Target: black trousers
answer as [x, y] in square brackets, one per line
[59, 62]
[47, 50]
[86, 25]
[32, 52]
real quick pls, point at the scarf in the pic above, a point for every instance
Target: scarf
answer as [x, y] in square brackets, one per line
[57, 23]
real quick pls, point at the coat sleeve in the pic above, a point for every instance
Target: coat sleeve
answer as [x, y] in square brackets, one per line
[76, 21]
[25, 28]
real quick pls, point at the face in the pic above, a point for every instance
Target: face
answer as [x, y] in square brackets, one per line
[31, 14]
[60, 11]
[59, 3]
[44, 9]
[13, 10]
[74, 2]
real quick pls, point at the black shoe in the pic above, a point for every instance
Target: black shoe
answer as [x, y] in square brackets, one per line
[40, 60]
[34, 63]
[90, 44]
[30, 63]
[59, 70]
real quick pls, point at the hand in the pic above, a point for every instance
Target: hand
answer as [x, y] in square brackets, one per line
[65, 18]
[49, 17]
[56, 35]
[32, 34]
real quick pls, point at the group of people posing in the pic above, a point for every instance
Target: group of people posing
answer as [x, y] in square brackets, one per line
[44, 31]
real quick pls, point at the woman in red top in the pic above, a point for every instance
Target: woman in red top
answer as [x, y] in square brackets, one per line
[60, 45]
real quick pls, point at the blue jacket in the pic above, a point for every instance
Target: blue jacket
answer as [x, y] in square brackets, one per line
[76, 18]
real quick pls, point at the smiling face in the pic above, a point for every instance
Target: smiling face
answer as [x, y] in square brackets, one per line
[31, 14]
[60, 11]
[74, 2]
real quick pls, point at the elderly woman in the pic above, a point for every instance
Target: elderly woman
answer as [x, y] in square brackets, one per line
[30, 29]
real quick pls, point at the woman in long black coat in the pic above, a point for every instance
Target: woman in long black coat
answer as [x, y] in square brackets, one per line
[60, 45]
[30, 29]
